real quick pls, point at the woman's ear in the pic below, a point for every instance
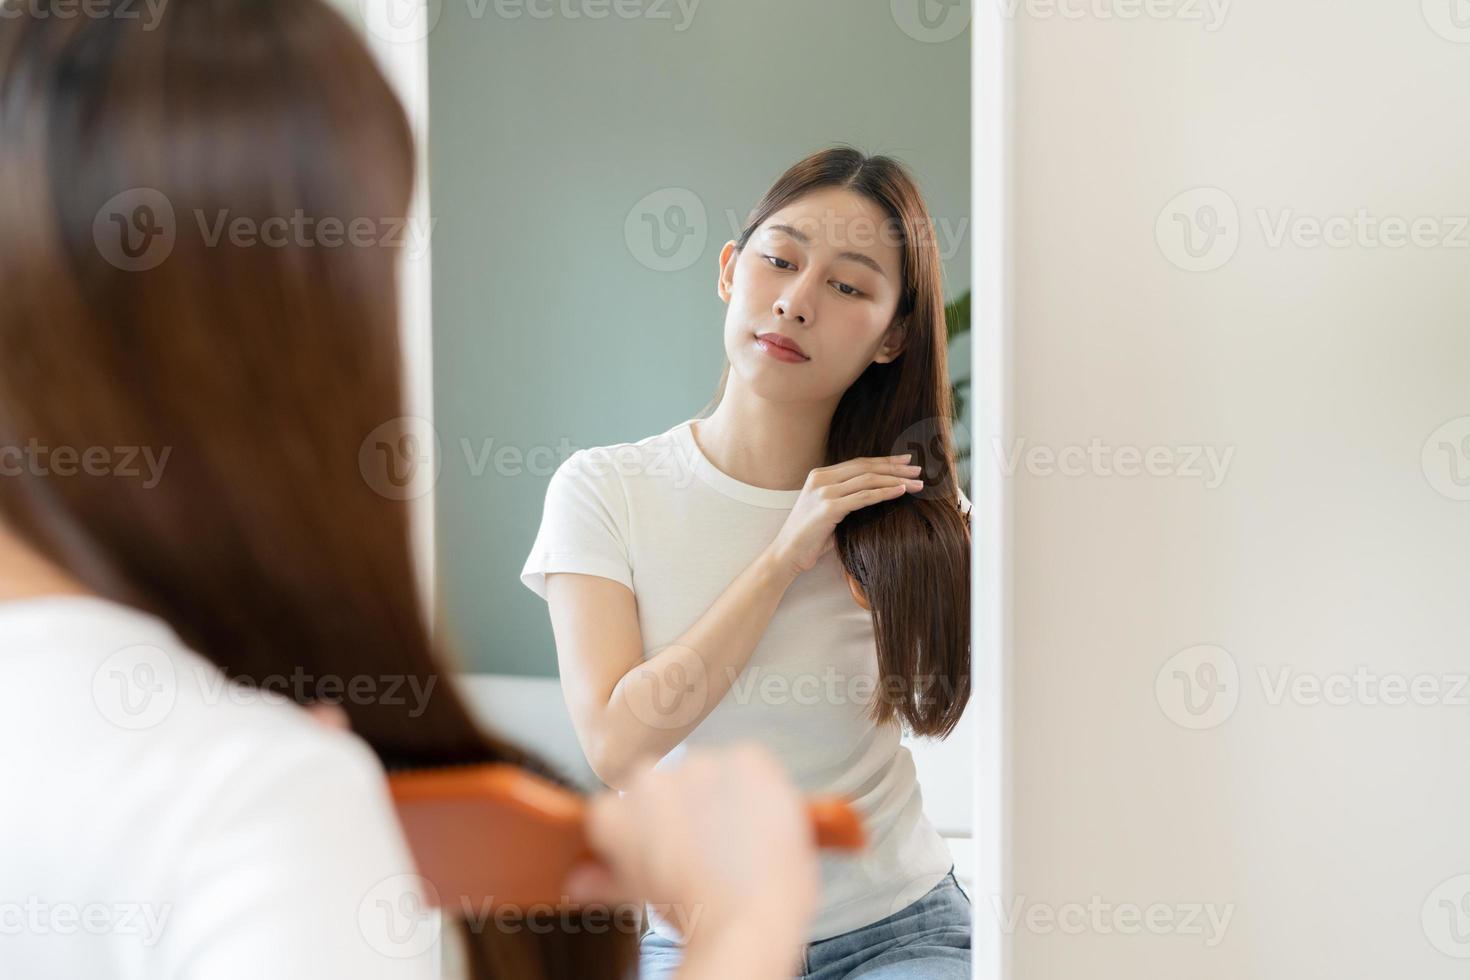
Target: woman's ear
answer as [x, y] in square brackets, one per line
[893, 342]
[726, 281]
[857, 592]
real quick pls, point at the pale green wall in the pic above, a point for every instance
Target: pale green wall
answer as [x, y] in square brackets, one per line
[544, 134]
[351, 9]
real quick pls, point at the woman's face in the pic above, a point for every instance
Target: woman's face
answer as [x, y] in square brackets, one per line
[824, 273]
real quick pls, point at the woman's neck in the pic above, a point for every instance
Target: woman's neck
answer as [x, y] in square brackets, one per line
[766, 444]
[26, 574]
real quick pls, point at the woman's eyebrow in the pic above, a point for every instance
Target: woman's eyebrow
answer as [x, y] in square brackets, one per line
[803, 239]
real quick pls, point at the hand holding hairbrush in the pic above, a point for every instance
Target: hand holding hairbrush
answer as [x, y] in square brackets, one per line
[496, 835]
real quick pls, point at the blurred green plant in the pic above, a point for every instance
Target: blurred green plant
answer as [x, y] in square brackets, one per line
[957, 324]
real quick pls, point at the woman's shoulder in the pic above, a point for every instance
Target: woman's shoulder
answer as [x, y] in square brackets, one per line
[664, 453]
[226, 803]
[111, 693]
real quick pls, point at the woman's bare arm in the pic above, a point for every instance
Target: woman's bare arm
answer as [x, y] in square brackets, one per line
[625, 707]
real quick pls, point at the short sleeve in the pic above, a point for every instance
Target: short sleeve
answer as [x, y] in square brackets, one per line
[583, 524]
[296, 870]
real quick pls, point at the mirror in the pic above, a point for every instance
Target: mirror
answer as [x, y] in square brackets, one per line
[588, 165]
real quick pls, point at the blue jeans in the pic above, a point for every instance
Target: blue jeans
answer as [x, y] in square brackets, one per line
[928, 940]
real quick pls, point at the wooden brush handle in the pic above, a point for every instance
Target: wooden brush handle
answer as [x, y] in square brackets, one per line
[497, 834]
[835, 824]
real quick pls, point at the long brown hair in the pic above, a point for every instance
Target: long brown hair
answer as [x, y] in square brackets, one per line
[910, 556]
[259, 366]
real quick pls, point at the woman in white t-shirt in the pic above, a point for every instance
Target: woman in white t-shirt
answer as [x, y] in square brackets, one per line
[721, 580]
[200, 534]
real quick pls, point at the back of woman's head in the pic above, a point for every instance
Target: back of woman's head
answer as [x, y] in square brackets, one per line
[198, 220]
[910, 556]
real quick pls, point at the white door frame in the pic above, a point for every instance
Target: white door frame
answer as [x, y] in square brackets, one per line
[397, 33]
[991, 101]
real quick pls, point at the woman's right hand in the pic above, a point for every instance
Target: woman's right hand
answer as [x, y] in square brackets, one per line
[830, 494]
[721, 843]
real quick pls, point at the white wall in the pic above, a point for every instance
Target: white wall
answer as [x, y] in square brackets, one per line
[1333, 543]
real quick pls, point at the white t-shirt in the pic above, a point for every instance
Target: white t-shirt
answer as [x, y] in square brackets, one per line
[159, 823]
[658, 517]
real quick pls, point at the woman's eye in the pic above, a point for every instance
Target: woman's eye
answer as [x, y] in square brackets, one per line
[779, 262]
[847, 290]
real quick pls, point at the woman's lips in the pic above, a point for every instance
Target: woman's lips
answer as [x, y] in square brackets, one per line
[780, 353]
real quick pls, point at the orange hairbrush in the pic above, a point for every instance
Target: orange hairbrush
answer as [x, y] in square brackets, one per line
[496, 835]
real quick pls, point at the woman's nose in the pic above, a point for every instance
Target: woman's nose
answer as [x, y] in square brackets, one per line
[787, 307]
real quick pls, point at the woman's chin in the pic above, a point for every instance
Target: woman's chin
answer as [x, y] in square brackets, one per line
[769, 384]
